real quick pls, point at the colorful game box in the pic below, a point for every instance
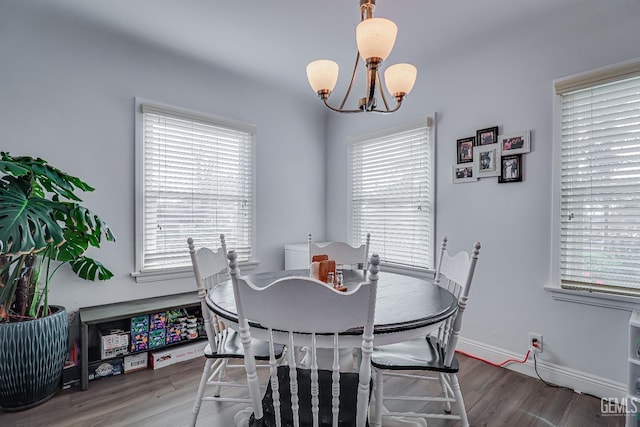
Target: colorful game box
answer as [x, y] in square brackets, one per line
[139, 341]
[139, 324]
[157, 321]
[173, 316]
[173, 334]
[157, 338]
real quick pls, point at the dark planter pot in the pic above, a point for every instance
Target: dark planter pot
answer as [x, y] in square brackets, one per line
[32, 355]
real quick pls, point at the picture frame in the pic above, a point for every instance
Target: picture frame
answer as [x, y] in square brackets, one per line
[465, 149]
[486, 161]
[511, 168]
[487, 136]
[463, 172]
[515, 143]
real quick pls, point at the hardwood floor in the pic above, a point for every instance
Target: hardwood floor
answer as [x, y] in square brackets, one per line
[493, 396]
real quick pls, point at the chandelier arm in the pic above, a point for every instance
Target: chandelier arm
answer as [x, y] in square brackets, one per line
[353, 78]
[389, 111]
[371, 83]
[384, 99]
[340, 110]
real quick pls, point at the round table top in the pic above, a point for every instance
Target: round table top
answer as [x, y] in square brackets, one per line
[403, 302]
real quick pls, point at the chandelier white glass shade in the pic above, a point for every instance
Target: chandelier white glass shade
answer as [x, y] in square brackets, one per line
[400, 78]
[322, 75]
[375, 38]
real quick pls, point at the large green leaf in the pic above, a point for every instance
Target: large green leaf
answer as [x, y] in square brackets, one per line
[90, 226]
[12, 168]
[82, 228]
[75, 245]
[27, 222]
[90, 269]
[44, 176]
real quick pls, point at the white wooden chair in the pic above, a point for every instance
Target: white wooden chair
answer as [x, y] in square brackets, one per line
[433, 353]
[306, 312]
[345, 255]
[211, 269]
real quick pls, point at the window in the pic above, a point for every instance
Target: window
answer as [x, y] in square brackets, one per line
[392, 194]
[600, 181]
[194, 179]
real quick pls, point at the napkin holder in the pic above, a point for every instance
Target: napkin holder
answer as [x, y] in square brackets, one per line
[321, 266]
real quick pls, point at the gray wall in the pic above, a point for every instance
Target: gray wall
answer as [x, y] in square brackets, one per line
[508, 83]
[67, 95]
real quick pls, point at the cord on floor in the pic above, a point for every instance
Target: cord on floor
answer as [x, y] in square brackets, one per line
[526, 357]
[499, 365]
[535, 368]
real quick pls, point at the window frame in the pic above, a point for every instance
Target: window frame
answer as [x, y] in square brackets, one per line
[430, 123]
[140, 274]
[598, 76]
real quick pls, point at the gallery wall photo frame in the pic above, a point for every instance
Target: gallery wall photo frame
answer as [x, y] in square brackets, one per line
[515, 143]
[510, 168]
[486, 161]
[463, 172]
[487, 136]
[465, 149]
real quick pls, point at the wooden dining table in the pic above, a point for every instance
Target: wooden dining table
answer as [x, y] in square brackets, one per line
[406, 308]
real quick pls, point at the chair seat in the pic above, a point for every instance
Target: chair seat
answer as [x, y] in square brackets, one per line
[348, 400]
[419, 354]
[231, 347]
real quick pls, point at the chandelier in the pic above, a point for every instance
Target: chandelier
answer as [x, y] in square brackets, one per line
[375, 38]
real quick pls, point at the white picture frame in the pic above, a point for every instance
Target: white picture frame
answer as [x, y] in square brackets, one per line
[463, 172]
[515, 143]
[486, 160]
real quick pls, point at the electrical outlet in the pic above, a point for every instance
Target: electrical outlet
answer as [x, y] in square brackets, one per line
[537, 339]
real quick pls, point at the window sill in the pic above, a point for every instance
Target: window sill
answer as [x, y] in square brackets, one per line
[421, 273]
[180, 273]
[598, 299]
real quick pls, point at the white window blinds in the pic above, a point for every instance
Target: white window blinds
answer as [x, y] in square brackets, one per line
[197, 182]
[600, 188]
[392, 195]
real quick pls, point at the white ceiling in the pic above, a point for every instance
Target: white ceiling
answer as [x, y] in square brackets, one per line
[275, 39]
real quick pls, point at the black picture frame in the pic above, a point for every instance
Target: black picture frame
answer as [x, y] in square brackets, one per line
[487, 136]
[510, 169]
[465, 149]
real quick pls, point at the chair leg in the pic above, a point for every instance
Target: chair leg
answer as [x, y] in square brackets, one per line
[378, 390]
[445, 392]
[455, 386]
[241, 419]
[221, 374]
[201, 387]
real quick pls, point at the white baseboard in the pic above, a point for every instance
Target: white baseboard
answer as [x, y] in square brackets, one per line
[580, 382]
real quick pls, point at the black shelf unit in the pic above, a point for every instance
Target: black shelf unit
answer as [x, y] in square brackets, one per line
[98, 316]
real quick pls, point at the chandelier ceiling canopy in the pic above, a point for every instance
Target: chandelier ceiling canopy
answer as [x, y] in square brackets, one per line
[375, 38]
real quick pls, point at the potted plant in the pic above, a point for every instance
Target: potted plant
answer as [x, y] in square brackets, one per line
[43, 226]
